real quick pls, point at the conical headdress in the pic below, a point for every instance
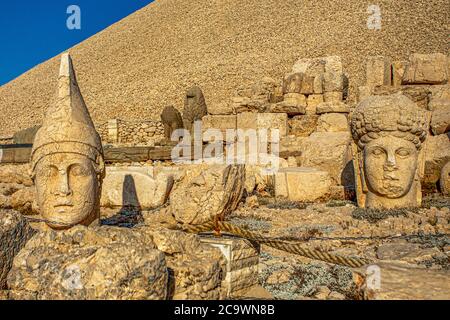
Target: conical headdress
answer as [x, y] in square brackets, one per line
[67, 126]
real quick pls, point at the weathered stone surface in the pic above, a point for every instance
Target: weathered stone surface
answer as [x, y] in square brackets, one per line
[437, 154]
[89, 263]
[135, 187]
[408, 252]
[67, 158]
[445, 179]
[333, 96]
[220, 108]
[313, 101]
[378, 71]
[302, 184]
[221, 123]
[14, 233]
[172, 120]
[333, 122]
[334, 75]
[307, 85]
[332, 107]
[418, 94]
[213, 192]
[303, 126]
[292, 104]
[422, 283]
[24, 201]
[398, 70]
[440, 118]
[426, 69]
[196, 270]
[328, 151]
[267, 121]
[16, 174]
[194, 107]
[389, 132]
[293, 83]
[242, 257]
[26, 136]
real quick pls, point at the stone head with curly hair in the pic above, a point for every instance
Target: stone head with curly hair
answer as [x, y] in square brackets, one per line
[389, 132]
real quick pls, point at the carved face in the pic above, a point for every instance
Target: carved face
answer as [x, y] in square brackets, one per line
[390, 165]
[67, 190]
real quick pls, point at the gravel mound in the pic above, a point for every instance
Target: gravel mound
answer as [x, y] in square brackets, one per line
[146, 61]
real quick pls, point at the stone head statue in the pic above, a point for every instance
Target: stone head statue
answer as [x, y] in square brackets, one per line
[389, 132]
[67, 158]
[194, 107]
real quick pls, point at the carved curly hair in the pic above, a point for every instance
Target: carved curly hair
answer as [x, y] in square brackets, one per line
[395, 115]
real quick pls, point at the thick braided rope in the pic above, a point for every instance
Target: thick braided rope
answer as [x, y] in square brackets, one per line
[287, 246]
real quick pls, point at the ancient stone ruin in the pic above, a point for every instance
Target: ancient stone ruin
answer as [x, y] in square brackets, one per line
[290, 190]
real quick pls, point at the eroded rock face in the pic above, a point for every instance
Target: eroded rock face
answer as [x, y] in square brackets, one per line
[89, 263]
[389, 132]
[67, 158]
[196, 270]
[203, 194]
[14, 233]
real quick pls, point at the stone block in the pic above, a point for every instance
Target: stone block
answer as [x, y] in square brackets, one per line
[333, 122]
[334, 75]
[219, 122]
[242, 258]
[313, 101]
[437, 154]
[318, 84]
[398, 70]
[104, 263]
[332, 107]
[334, 96]
[268, 121]
[135, 187]
[330, 152]
[440, 118]
[214, 191]
[307, 85]
[426, 69]
[378, 71]
[303, 126]
[302, 184]
[293, 83]
[293, 104]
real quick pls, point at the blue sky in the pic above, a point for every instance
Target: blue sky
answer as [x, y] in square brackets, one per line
[33, 31]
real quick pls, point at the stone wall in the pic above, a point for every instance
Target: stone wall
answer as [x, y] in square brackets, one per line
[123, 132]
[424, 79]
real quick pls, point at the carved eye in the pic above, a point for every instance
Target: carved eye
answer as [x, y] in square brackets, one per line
[78, 170]
[403, 152]
[377, 152]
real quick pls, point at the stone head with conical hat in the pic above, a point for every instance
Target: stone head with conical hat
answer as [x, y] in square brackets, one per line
[67, 157]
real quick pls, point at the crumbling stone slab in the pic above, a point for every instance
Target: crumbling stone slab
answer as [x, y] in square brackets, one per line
[219, 122]
[134, 187]
[426, 69]
[242, 258]
[333, 122]
[89, 263]
[378, 71]
[302, 184]
[332, 107]
[330, 152]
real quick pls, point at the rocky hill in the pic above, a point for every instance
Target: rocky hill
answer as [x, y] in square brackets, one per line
[146, 61]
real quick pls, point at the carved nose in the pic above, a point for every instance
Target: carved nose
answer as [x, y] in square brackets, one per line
[64, 187]
[391, 163]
